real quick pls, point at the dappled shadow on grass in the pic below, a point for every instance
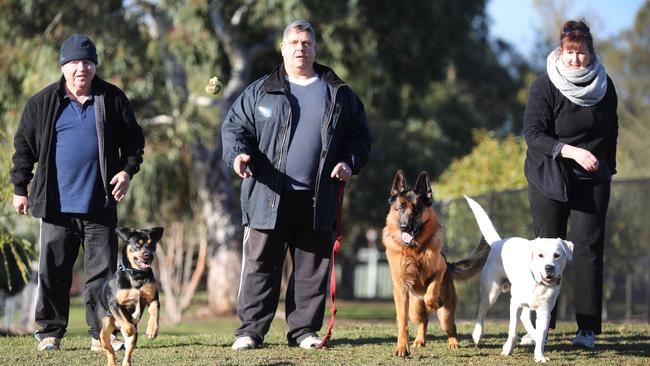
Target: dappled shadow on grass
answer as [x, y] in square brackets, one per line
[389, 340]
[608, 341]
[344, 341]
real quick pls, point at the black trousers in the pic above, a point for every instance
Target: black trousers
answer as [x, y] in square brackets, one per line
[61, 236]
[585, 212]
[263, 257]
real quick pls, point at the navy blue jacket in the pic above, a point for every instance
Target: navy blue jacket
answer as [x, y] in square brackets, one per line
[258, 124]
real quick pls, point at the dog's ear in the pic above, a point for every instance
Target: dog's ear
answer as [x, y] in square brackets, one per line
[156, 233]
[124, 233]
[399, 185]
[423, 188]
[568, 249]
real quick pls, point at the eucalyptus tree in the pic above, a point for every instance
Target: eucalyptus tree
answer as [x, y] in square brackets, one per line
[414, 64]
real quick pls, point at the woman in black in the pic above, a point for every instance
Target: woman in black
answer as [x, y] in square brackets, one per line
[571, 127]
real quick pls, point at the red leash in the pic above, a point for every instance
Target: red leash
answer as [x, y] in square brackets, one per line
[337, 244]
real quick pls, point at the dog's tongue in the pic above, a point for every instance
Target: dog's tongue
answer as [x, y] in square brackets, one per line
[406, 237]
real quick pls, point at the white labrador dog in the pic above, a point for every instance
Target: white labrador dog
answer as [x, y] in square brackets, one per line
[531, 270]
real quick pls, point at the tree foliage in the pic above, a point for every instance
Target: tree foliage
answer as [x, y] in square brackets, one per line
[432, 83]
[493, 165]
[627, 58]
[425, 71]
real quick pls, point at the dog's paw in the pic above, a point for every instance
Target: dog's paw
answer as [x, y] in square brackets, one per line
[418, 343]
[152, 329]
[402, 351]
[453, 343]
[476, 334]
[508, 347]
[542, 359]
[152, 333]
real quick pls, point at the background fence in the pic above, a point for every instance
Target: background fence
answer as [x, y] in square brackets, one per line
[627, 253]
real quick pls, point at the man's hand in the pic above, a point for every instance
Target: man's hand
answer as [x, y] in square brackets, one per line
[341, 171]
[21, 204]
[240, 164]
[585, 158]
[121, 180]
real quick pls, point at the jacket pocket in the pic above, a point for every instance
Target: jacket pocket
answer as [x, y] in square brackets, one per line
[246, 191]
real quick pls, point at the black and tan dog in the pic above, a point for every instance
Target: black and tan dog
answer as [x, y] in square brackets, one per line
[422, 277]
[133, 288]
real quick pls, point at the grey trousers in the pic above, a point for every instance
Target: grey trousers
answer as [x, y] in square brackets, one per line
[263, 256]
[61, 236]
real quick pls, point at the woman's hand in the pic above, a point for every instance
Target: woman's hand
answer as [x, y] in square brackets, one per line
[585, 158]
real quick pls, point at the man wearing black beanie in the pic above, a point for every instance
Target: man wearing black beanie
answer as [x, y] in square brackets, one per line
[82, 132]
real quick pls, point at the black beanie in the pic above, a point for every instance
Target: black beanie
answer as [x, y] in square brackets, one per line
[78, 47]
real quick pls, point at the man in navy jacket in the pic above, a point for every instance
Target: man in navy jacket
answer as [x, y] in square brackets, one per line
[294, 136]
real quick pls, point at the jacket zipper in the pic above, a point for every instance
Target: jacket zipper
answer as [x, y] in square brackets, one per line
[284, 139]
[329, 122]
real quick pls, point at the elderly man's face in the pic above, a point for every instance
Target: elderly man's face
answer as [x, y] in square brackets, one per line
[79, 74]
[298, 50]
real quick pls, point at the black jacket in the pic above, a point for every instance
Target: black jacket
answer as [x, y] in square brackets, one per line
[258, 124]
[552, 120]
[120, 138]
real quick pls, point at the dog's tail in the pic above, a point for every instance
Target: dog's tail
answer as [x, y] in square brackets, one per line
[466, 268]
[484, 222]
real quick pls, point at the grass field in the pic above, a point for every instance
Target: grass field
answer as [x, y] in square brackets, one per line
[202, 340]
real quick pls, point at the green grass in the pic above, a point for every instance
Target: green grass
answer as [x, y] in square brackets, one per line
[201, 340]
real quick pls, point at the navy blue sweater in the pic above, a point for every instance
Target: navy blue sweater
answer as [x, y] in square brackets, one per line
[120, 138]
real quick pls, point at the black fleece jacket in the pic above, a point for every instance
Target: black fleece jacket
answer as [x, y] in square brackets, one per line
[552, 120]
[121, 142]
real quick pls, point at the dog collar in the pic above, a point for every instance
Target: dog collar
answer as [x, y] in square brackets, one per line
[132, 271]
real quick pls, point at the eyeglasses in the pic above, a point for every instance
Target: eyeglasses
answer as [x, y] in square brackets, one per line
[575, 28]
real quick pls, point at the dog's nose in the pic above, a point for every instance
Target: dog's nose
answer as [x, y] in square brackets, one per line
[404, 225]
[549, 268]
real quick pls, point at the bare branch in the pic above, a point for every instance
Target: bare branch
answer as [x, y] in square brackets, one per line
[240, 55]
[55, 21]
[239, 14]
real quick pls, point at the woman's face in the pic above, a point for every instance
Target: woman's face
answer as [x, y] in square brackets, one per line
[575, 57]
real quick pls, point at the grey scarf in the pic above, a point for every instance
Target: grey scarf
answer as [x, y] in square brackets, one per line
[566, 79]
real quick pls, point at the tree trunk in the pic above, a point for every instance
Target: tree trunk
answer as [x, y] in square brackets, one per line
[628, 295]
[220, 210]
[218, 200]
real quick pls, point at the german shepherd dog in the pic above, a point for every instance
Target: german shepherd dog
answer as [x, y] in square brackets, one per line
[422, 277]
[132, 288]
